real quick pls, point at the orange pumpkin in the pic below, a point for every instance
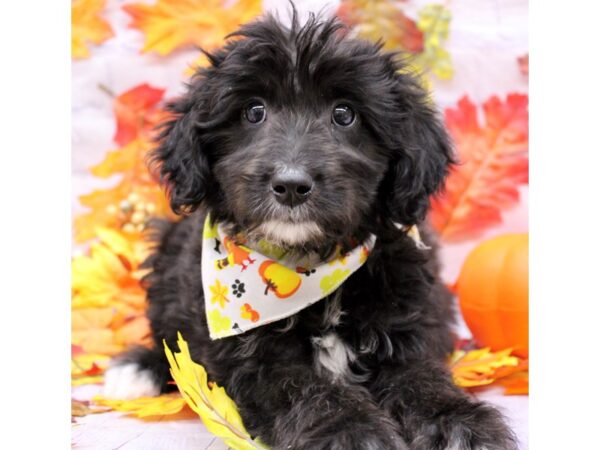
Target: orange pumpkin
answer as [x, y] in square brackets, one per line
[493, 293]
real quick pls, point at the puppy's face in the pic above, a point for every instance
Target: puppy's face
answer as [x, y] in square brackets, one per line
[304, 137]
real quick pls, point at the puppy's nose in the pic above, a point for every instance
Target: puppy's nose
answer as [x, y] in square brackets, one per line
[292, 187]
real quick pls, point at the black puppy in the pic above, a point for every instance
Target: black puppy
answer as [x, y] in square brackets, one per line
[309, 139]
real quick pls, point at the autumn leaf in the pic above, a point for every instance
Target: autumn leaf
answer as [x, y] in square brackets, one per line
[108, 300]
[129, 160]
[87, 368]
[482, 367]
[172, 24]
[163, 405]
[434, 23]
[382, 19]
[87, 26]
[90, 329]
[493, 164]
[477, 367]
[109, 273]
[217, 411]
[137, 112]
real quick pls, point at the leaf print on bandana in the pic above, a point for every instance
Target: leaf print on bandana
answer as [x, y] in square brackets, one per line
[280, 280]
[219, 293]
[217, 322]
[330, 282]
[249, 313]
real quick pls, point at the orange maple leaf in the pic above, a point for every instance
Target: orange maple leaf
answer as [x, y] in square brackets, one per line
[137, 112]
[87, 26]
[383, 20]
[482, 367]
[172, 24]
[493, 163]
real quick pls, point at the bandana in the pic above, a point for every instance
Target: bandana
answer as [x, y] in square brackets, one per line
[245, 287]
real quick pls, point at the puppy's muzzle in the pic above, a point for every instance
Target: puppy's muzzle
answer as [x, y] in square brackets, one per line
[292, 187]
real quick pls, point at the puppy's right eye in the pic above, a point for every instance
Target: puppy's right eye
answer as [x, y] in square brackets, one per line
[255, 112]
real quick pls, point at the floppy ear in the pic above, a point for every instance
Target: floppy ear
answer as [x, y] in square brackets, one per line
[181, 159]
[423, 155]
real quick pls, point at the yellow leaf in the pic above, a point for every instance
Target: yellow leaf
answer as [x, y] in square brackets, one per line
[87, 26]
[130, 157]
[80, 381]
[480, 367]
[217, 411]
[171, 24]
[163, 405]
[434, 22]
[108, 300]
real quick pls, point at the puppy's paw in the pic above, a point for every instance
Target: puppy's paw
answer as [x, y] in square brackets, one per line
[475, 426]
[355, 435]
[127, 381]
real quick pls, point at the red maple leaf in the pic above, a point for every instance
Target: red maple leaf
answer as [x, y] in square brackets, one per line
[137, 112]
[493, 162]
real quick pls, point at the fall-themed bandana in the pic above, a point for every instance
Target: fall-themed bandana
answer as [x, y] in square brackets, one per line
[245, 287]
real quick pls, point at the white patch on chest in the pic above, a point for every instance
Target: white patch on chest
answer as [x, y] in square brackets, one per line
[333, 355]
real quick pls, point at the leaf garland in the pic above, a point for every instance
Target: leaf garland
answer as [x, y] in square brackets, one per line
[87, 26]
[493, 163]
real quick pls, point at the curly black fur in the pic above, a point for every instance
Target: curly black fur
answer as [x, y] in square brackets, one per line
[396, 314]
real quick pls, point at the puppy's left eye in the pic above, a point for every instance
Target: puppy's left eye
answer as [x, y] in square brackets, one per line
[255, 112]
[343, 115]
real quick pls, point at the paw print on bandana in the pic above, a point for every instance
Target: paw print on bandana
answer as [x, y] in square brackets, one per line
[239, 288]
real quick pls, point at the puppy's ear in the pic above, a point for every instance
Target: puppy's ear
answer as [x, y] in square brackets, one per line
[422, 157]
[180, 157]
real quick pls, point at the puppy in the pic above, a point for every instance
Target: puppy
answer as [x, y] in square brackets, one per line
[315, 143]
